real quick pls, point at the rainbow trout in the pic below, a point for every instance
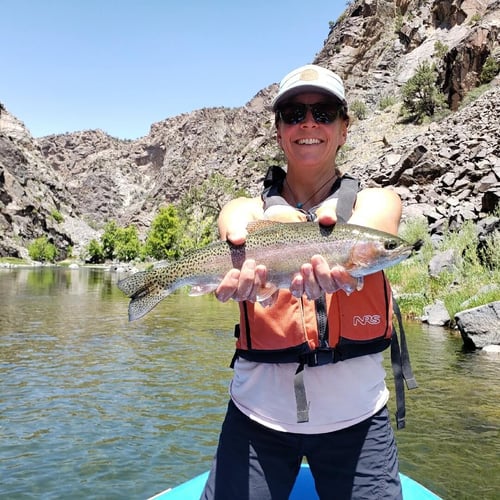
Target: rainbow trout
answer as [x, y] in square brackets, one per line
[281, 247]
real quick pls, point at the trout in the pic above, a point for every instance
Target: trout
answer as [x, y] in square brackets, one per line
[281, 247]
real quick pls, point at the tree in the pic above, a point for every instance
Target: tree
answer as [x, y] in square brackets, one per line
[421, 97]
[200, 207]
[489, 70]
[163, 238]
[127, 245]
[108, 240]
[42, 250]
[94, 252]
[120, 243]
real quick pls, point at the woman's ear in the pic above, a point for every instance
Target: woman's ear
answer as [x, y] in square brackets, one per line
[345, 126]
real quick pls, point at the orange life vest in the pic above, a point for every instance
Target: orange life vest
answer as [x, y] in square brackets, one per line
[290, 330]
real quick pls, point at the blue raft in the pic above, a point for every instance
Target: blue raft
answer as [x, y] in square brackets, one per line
[303, 489]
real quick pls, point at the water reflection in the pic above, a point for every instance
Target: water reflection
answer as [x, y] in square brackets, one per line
[93, 406]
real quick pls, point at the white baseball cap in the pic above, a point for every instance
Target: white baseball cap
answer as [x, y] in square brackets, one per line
[310, 78]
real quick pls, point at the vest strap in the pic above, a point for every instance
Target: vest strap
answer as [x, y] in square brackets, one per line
[300, 395]
[322, 321]
[401, 368]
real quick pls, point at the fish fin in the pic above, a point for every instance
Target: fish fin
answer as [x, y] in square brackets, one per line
[270, 300]
[266, 291]
[134, 284]
[144, 292]
[141, 305]
[197, 290]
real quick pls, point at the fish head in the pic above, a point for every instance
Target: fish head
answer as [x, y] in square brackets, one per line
[372, 255]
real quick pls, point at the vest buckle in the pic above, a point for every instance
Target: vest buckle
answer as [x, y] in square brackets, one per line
[321, 356]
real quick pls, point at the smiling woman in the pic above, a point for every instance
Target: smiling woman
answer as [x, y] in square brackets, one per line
[287, 354]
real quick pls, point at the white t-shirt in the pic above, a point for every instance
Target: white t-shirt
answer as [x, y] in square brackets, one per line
[339, 395]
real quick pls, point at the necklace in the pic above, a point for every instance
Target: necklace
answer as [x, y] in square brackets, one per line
[299, 204]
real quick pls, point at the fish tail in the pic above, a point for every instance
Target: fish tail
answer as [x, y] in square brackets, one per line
[144, 291]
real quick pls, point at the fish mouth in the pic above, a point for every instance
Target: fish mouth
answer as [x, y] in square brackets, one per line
[417, 246]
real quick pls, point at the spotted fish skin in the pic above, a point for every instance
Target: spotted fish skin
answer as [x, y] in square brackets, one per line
[281, 247]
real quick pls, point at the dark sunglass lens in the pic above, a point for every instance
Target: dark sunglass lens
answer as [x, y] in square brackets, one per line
[293, 113]
[324, 112]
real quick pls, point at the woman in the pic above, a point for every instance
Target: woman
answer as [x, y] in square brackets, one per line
[301, 387]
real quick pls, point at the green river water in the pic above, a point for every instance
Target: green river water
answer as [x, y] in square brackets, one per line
[95, 407]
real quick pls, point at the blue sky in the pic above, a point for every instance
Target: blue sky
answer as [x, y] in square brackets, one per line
[121, 65]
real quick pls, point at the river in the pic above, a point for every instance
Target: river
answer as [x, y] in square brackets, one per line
[95, 407]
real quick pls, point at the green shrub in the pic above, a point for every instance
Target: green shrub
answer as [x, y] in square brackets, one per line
[42, 250]
[421, 97]
[127, 245]
[475, 18]
[490, 70]
[386, 102]
[358, 109]
[108, 240]
[163, 238]
[57, 216]
[94, 253]
[120, 243]
[489, 252]
[440, 49]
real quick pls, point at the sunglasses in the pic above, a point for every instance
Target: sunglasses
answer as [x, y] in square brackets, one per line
[295, 112]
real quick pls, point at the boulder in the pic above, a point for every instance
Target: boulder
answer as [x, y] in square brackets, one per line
[480, 326]
[436, 314]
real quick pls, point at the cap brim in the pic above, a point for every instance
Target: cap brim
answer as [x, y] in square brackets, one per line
[300, 89]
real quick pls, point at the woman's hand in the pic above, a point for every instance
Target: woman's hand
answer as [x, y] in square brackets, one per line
[316, 278]
[242, 284]
[233, 220]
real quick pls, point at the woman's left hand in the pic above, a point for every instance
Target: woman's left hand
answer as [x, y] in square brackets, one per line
[316, 277]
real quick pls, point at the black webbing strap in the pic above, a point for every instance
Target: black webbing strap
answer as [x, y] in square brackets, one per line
[408, 376]
[300, 395]
[401, 368]
[322, 321]
[298, 382]
[347, 192]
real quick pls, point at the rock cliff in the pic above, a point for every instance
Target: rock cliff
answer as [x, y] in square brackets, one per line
[447, 171]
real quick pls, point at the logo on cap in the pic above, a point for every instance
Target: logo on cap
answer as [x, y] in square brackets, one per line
[309, 75]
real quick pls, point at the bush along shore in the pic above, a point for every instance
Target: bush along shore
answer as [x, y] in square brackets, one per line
[453, 281]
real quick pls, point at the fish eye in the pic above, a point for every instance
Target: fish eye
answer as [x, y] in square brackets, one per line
[390, 244]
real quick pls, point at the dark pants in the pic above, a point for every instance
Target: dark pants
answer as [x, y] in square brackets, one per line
[256, 463]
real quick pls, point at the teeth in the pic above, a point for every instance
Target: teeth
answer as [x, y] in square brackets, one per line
[308, 141]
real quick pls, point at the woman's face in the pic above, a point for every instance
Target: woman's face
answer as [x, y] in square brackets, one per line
[310, 143]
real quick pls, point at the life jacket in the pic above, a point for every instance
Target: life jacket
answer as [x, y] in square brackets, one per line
[330, 329]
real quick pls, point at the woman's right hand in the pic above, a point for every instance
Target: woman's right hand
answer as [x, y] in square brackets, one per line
[242, 284]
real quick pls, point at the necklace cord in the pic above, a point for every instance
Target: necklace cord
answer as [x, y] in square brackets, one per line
[299, 204]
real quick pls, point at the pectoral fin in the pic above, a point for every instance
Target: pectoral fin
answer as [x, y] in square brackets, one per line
[197, 290]
[267, 294]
